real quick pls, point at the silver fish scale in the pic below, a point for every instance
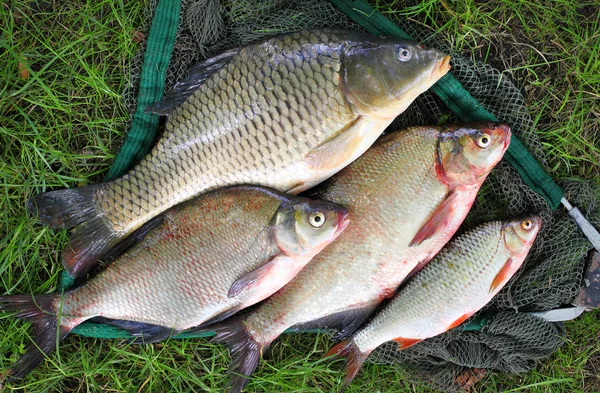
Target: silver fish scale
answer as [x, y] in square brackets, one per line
[176, 276]
[251, 122]
[371, 257]
[451, 285]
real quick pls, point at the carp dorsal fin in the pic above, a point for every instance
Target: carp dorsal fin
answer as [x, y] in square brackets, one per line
[197, 75]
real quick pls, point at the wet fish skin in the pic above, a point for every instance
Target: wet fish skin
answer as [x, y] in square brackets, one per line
[418, 183]
[460, 280]
[207, 259]
[286, 113]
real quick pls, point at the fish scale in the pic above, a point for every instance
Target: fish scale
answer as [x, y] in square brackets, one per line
[462, 278]
[287, 113]
[407, 195]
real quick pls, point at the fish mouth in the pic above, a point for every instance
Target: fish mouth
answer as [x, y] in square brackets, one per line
[441, 68]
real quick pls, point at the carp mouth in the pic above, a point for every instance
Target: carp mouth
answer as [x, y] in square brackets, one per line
[441, 68]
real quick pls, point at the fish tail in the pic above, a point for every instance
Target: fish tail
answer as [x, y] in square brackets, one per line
[75, 207]
[245, 351]
[47, 332]
[354, 359]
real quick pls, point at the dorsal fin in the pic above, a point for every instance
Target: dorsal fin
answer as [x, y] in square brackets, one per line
[197, 75]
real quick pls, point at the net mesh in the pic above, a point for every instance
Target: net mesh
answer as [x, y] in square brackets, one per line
[552, 274]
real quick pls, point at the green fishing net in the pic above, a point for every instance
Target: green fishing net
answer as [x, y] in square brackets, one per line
[510, 340]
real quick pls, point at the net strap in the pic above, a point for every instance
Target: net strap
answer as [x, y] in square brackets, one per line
[457, 99]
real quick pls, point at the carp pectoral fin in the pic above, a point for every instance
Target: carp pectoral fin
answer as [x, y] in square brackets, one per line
[345, 322]
[143, 333]
[252, 279]
[339, 151]
[404, 343]
[459, 321]
[197, 75]
[502, 277]
[438, 220]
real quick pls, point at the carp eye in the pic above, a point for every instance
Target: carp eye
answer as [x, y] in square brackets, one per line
[483, 140]
[404, 54]
[316, 219]
[527, 224]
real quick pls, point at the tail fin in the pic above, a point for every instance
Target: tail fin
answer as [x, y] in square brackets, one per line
[75, 207]
[354, 360]
[39, 311]
[64, 208]
[245, 350]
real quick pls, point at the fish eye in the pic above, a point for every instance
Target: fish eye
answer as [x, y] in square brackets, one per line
[316, 219]
[527, 224]
[483, 140]
[404, 54]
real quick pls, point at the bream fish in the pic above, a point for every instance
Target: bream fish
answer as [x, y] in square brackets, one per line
[203, 261]
[286, 113]
[458, 282]
[407, 195]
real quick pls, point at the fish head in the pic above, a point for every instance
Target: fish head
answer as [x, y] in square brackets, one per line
[305, 228]
[519, 235]
[382, 76]
[468, 152]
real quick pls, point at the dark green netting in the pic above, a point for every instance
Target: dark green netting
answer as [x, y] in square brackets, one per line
[509, 341]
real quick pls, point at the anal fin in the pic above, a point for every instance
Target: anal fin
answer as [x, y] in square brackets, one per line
[404, 343]
[143, 333]
[345, 322]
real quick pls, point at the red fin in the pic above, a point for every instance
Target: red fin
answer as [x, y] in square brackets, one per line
[502, 277]
[354, 360]
[439, 219]
[404, 343]
[459, 321]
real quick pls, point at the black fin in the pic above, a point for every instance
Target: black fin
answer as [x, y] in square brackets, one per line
[137, 236]
[354, 360]
[197, 75]
[245, 351]
[64, 208]
[38, 310]
[144, 333]
[89, 242]
[345, 322]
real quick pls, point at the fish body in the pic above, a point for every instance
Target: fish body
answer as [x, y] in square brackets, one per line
[205, 260]
[287, 113]
[407, 195]
[458, 282]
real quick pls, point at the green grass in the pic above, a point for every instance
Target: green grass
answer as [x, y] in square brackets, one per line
[61, 125]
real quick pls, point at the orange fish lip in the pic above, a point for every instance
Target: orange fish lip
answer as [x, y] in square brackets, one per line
[441, 68]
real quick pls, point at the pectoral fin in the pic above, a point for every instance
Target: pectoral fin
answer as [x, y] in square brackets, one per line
[252, 279]
[346, 146]
[438, 220]
[502, 277]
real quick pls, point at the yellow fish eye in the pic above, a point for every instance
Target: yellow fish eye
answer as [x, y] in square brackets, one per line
[483, 140]
[316, 219]
[527, 224]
